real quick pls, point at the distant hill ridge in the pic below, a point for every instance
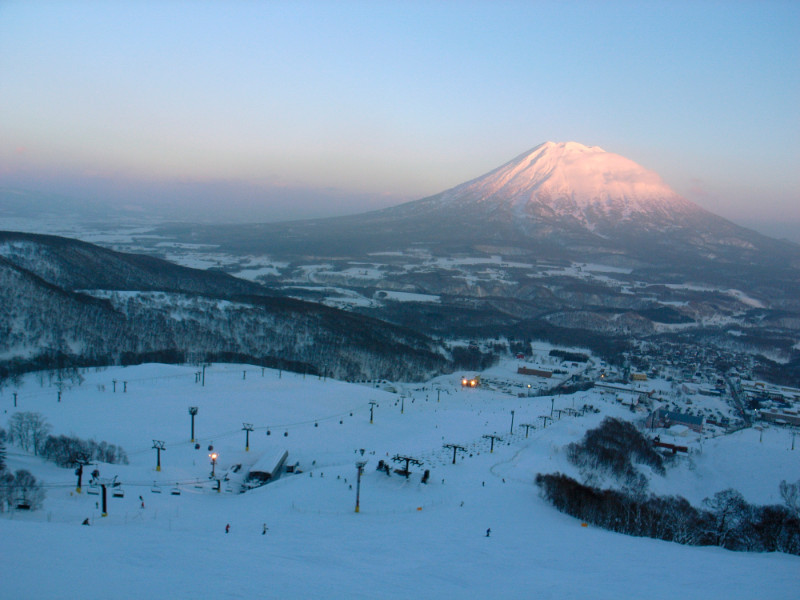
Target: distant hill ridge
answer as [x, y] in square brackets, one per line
[143, 308]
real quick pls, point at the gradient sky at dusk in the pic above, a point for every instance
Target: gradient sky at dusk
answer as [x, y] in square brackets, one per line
[334, 107]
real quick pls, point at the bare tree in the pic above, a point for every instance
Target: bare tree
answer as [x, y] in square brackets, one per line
[28, 430]
[26, 490]
[790, 492]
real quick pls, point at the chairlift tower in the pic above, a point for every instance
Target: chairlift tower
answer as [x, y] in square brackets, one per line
[360, 466]
[408, 460]
[372, 405]
[455, 448]
[80, 461]
[158, 446]
[104, 484]
[247, 428]
[193, 412]
[493, 437]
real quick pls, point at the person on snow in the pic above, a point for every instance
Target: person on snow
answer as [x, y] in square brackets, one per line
[227, 528]
[264, 530]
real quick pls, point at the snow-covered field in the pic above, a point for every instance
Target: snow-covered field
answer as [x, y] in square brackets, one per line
[409, 540]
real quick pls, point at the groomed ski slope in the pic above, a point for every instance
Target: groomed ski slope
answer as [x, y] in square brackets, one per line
[409, 540]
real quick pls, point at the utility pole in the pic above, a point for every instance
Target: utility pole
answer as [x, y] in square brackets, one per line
[204, 375]
[402, 404]
[247, 428]
[192, 412]
[512, 424]
[360, 466]
[158, 446]
[244, 375]
[372, 405]
[15, 399]
[552, 403]
[455, 448]
[114, 382]
[493, 438]
[124, 386]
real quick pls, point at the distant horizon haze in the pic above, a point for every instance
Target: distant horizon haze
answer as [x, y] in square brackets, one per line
[312, 109]
[231, 201]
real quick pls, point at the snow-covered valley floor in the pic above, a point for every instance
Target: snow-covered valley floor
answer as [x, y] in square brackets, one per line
[409, 540]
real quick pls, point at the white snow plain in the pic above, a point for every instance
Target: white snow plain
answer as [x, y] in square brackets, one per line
[409, 540]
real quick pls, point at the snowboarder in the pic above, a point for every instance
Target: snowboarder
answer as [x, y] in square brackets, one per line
[85, 521]
[488, 531]
[228, 528]
[264, 530]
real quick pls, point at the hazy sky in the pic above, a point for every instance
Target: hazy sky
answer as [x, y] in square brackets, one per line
[333, 107]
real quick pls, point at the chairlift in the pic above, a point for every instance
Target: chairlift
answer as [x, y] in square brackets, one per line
[155, 489]
[176, 491]
[93, 490]
[23, 505]
[118, 493]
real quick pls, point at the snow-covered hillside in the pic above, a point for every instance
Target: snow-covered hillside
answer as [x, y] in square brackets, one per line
[409, 539]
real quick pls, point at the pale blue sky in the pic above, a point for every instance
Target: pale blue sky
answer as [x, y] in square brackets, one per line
[384, 102]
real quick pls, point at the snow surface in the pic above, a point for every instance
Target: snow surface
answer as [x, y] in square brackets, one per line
[571, 179]
[409, 540]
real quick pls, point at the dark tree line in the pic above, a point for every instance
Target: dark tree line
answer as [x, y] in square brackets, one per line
[31, 432]
[726, 519]
[65, 450]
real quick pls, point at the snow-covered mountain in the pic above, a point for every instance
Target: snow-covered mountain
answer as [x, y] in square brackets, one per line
[574, 201]
[570, 180]
[563, 201]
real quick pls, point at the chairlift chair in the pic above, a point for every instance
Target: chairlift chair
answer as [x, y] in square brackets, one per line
[93, 489]
[118, 493]
[155, 489]
[176, 491]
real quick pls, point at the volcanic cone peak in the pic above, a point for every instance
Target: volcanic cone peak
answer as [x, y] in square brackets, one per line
[568, 179]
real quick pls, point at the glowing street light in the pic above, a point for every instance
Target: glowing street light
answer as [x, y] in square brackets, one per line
[213, 457]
